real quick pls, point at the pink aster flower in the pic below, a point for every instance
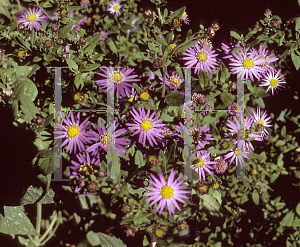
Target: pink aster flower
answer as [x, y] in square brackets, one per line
[86, 164]
[267, 59]
[238, 155]
[115, 7]
[116, 79]
[173, 82]
[167, 193]
[203, 164]
[227, 49]
[74, 132]
[220, 165]
[273, 80]
[32, 17]
[103, 35]
[148, 126]
[246, 64]
[261, 122]
[110, 137]
[203, 58]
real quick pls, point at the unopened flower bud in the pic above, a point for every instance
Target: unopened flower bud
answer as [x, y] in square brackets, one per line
[117, 186]
[8, 93]
[262, 176]
[268, 12]
[182, 225]
[81, 183]
[297, 174]
[101, 174]
[288, 137]
[21, 27]
[93, 186]
[295, 144]
[54, 28]
[211, 32]
[64, 56]
[130, 232]
[39, 121]
[152, 53]
[279, 213]
[159, 232]
[148, 14]
[82, 40]
[126, 208]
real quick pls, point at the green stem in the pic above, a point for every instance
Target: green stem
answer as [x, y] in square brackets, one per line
[49, 228]
[54, 230]
[164, 82]
[38, 220]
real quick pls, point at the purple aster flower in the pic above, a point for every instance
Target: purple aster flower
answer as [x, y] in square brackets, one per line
[246, 64]
[147, 126]
[66, 49]
[267, 59]
[168, 133]
[74, 133]
[132, 96]
[273, 80]
[238, 155]
[173, 81]
[203, 58]
[103, 35]
[84, 2]
[198, 135]
[220, 165]
[203, 164]
[32, 17]
[261, 122]
[116, 79]
[115, 7]
[85, 165]
[110, 137]
[228, 49]
[167, 193]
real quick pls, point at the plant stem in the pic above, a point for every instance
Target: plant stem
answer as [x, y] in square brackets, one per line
[49, 228]
[38, 220]
[54, 230]
[164, 82]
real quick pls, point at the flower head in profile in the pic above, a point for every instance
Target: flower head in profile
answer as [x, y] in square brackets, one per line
[110, 137]
[115, 7]
[74, 132]
[202, 163]
[203, 58]
[246, 64]
[273, 81]
[266, 58]
[103, 35]
[238, 154]
[148, 126]
[173, 82]
[32, 17]
[261, 122]
[116, 79]
[167, 192]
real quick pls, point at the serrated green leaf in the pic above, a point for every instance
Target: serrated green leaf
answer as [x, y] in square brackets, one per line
[16, 222]
[28, 108]
[33, 195]
[103, 240]
[255, 197]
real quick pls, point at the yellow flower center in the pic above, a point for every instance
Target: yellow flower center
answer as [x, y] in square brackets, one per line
[153, 159]
[166, 192]
[22, 54]
[203, 188]
[86, 168]
[117, 77]
[146, 125]
[216, 27]
[172, 46]
[83, 1]
[202, 56]
[106, 139]
[216, 185]
[79, 97]
[261, 122]
[273, 82]
[31, 18]
[221, 165]
[64, 13]
[159, 232]
[144, 96]
[73, 131]
[176, 23]
[248, 63]
[254, 171]
[238, 152]
[116, 7]
[175, 82]
[200, 164]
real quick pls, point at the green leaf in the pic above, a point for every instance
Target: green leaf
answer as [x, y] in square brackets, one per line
[103, 240]
[91, 47]
[79, 83]
[184, 46]
[296, 60]
[87, 201]
[160, 40]
[48, 58]
[259, 102]
[27, 87]
[138, 159]
[112, 46]
[46, 165]
[33, 195]
[274, 177]
[72, 64]
[3, 9]
[255, 197]
[203, 79]
[227, 98]
[16, 222]
[223, 72]
[296, 223]
[235, 35]
[176, 14]
[297, 26]
[175, 99]
[14, 107]
[171, 153]
[211, 204]
[28, 108]
[288, 219]
[283, 131]
[280, 160]
[65, 30]
[91, 67]
[298, 209]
